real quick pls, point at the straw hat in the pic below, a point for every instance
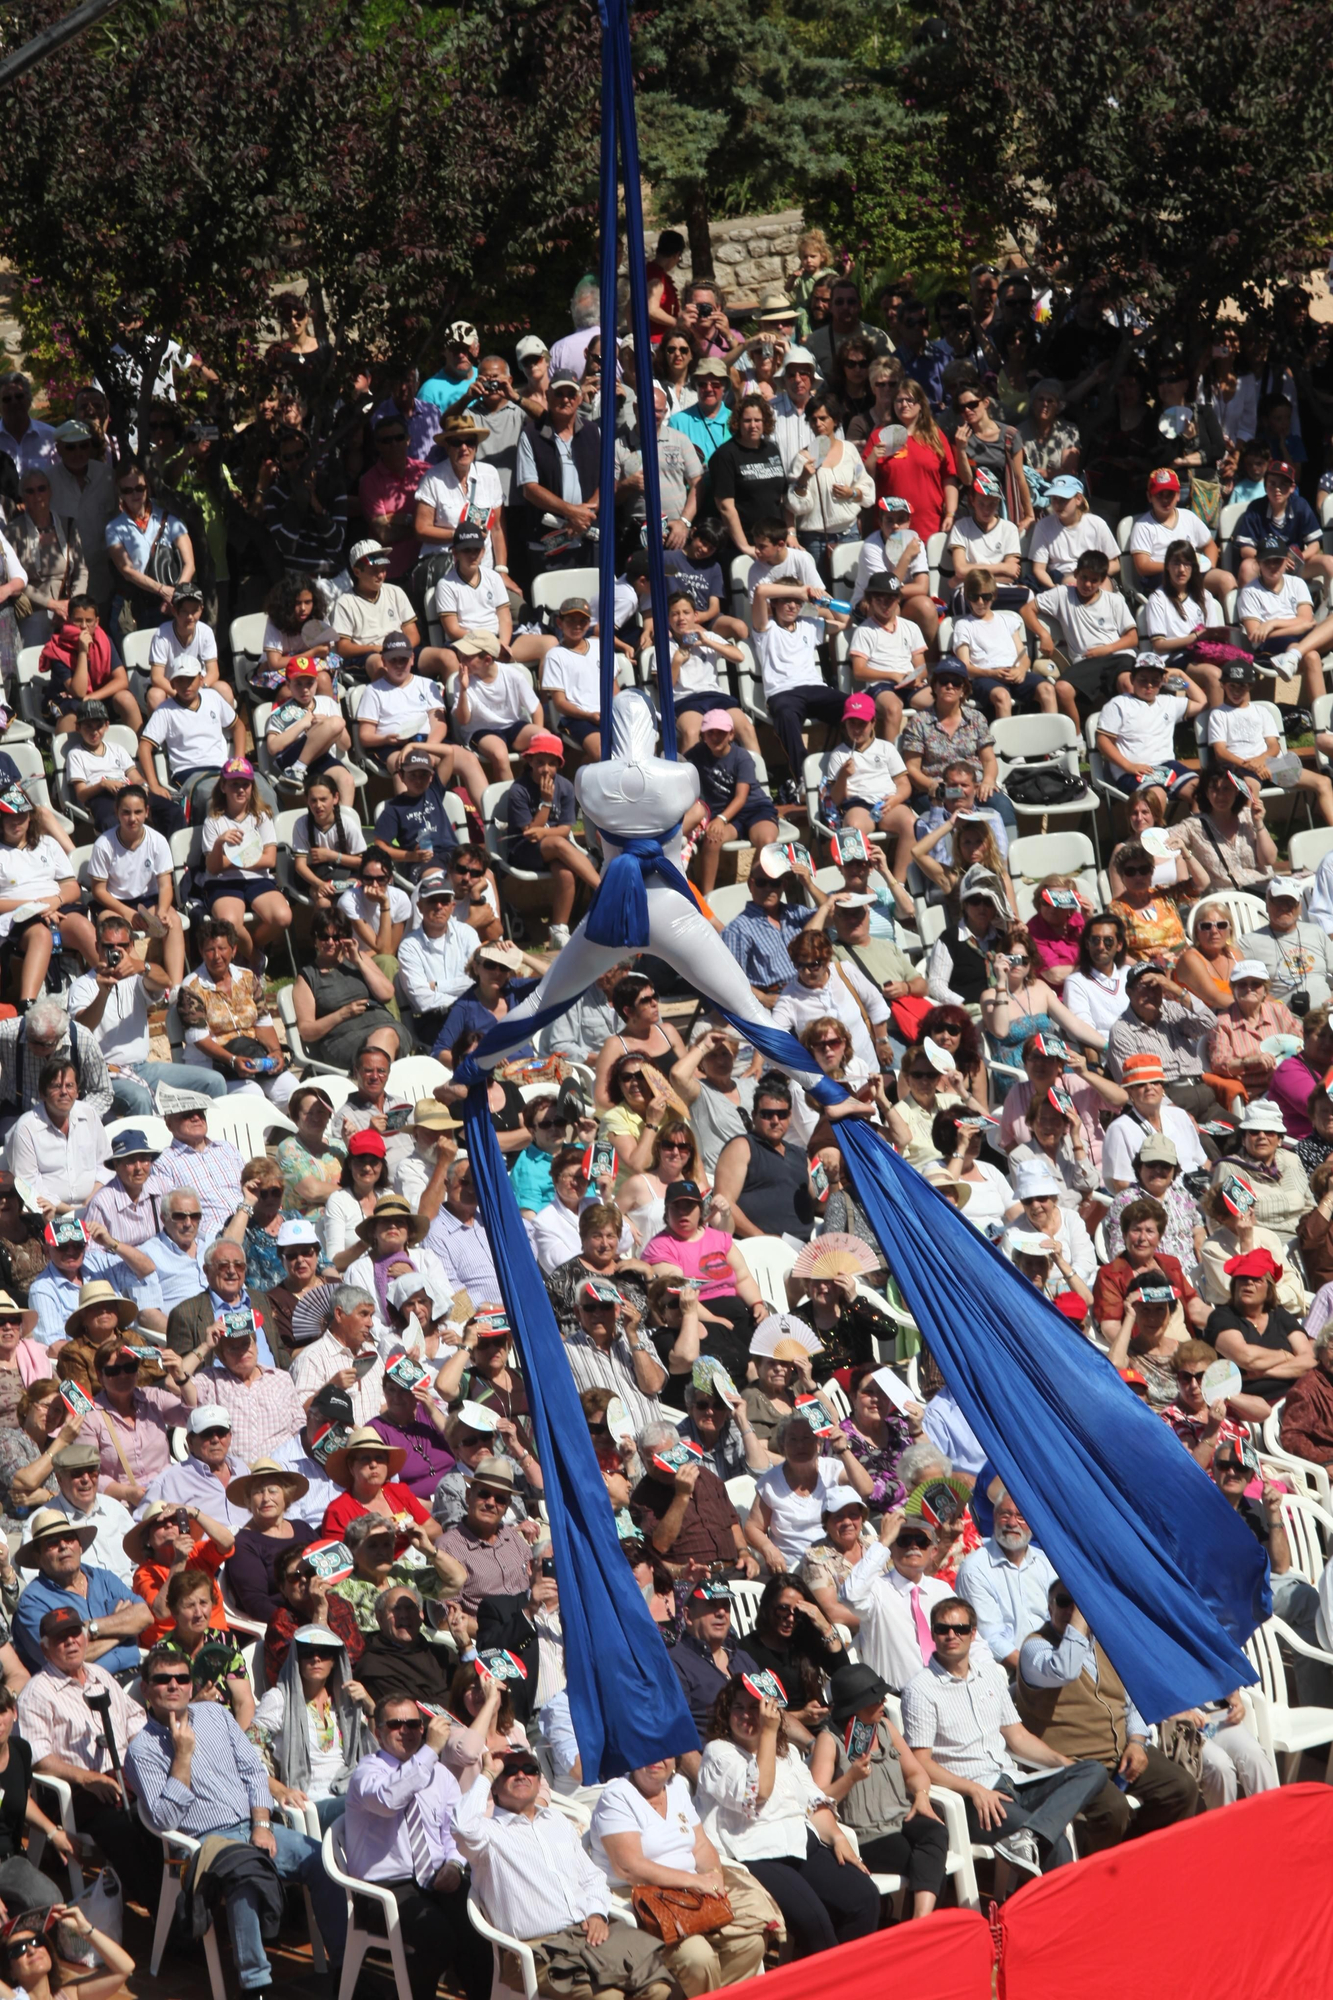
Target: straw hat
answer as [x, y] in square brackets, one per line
[393, 1208]
[9, 1307]
[267, 1472]
[338, 1466]
[45, 1525]
[461, 427]
[135, 1543]
[97, 1292]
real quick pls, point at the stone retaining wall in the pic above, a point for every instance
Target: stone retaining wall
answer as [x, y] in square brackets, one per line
[752, 253]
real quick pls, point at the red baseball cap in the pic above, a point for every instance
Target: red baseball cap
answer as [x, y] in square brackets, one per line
[1279, 469]
[367, 1142]
[1163, 481]
[302, 668]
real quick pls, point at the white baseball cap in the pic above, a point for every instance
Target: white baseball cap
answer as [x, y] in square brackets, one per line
[1032, 1178]
[208, 1417]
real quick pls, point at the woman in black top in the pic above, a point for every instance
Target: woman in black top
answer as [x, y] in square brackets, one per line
[22, 1887]
[1268, 1343]
[749, 478]
[794, 1640]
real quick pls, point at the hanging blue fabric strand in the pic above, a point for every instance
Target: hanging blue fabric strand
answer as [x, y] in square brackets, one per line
[637, 256]
[606, 278]
[619, 913]
[625, 1700]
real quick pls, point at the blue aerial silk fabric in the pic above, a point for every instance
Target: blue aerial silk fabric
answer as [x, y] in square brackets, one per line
[625, 1700]
[619, 912]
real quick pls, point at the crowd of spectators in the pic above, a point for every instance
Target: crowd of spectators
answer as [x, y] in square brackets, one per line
[275, 1401]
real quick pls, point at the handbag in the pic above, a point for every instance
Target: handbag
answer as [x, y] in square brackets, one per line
[673, 1914]
[165, 561]
[1182, 1742]
[1032, 785]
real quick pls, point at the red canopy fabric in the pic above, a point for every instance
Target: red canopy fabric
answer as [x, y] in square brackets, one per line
[946, 1956]
[1233, 1902]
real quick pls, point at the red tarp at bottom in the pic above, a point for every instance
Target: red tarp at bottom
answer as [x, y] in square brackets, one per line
[1234, 1902]
[946, 1956]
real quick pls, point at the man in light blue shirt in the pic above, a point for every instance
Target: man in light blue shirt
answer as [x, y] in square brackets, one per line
[202, 1478]
[1006, 1582]
[54, 1293]
[707, 422]
[175, 1250]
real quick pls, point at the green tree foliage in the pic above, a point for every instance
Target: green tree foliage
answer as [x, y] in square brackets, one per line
[1181, 148]
[171, 166]
[734, 95]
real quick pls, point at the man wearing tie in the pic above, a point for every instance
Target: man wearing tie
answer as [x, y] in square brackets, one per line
[399, 1831]
[891, 1591]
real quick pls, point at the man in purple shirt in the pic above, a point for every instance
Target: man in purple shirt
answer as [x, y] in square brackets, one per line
[398, 1831]
[1293, 1080]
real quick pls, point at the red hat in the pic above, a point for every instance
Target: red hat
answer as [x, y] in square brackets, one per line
[1163, 481]
[1142, 1068]
[1072, 1306]
[367, 1142]
[1254, 1264]
[302, 668]
[1280, 466]
[544, 743]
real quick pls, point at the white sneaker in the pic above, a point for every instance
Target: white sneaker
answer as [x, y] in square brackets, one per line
[558, 936]
[1019, 1849]
[296, 772]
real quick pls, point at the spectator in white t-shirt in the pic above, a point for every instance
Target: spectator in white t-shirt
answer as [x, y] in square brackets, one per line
[462, 487]
[1241, 738]
[1277, 614]
[401, 709]
[131, 875]
[1068, 530]
[112, 1004]
[494, 708]
[192, 730]
[306, 732]
[787, 649]
[894, 547]
[1180, 612]
[571, 678]
[473, 598]
[326, 842]
[868, 783]
[377, 910]
[1092, 625]
[1166, 522]
[95, 769]
[371, 610]
[888, 654]
[992, 645]
[987, 541]
[183, 635]
[1136, 735]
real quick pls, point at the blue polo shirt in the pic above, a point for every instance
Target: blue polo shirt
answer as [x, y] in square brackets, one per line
[105, 1592]
[1299, 526]
[423, 822]
[704, 433]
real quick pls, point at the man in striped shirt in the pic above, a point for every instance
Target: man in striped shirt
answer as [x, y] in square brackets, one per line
[210, 1166]
[959, 1719]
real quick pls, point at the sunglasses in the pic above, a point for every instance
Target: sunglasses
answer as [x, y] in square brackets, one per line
[20, 1947]
[393, 437]
[911, 1541]
[170, 1680]
[1223, 926]
[950, 1632]
[774, 1111]
[1189, 1374]
[186, 1215]
[1132, 874]
[123, 1368]
[210, 1435]
[967, 408]
[408, 1722]
[667, 1146]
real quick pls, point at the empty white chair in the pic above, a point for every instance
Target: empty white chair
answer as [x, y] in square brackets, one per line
[361, 1939]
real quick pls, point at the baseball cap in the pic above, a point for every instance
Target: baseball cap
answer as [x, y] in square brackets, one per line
[564, 378]
[61, 1622]
[571, 606]
[366, 1142]
[467, 535]
[183, 668]
[461, 333]
[529, 348]
[987, 485]
[1290, 888]
[1277, 469]
[435, 887]
[544, 744]
[600, 1292]
[94, 711]
[950, 668]
[417, 760]
[187, 593]
[1163, 481]
[478, 642]
[860, 707]
[682, 1191]
[302, 668]
[884, 583]
[238, 767]
[73, 432]
[716, 718]
[208, 1417]
[1158, 1150]
[1272, 546]
[709, 1593]
[395, 642]
[1240, 673]
[1250, 968]
[1064, 487]
[332, 1405]
[1147, 663]
[295, 1233]
[367, 551]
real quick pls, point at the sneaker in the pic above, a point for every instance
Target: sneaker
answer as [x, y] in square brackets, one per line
[558, 936]
[1019, 1849]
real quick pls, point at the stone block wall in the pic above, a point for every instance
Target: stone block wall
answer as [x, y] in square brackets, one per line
[752, 253]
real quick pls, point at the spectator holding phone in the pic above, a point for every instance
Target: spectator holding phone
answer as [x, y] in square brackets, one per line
[170, 1539]
[343, 998]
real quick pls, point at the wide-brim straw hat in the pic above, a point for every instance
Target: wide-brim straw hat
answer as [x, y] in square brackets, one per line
[45, 1525]
[338, 1465]
[267, 1472]
[393, 1208]
[9, 1307]
[98, 1292]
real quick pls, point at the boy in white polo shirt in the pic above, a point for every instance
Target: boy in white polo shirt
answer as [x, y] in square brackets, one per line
[1239, 739]
[1136, 735]
[191, 728]
[787, 649]
[888, 653]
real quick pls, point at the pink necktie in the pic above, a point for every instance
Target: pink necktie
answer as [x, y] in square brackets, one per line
[922, 1623]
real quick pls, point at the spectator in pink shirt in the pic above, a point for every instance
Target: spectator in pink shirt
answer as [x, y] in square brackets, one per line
[388, 494]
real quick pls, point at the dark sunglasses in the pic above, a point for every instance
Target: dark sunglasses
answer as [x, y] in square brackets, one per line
[1064, 1600]
[965, 407]
[911, 1541]
[170, 1680]
[127, 1368]
[950, 1631]
[408, 1722]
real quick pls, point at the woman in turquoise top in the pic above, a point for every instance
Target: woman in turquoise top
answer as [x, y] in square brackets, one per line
[1015, 1005]
[530, 1172]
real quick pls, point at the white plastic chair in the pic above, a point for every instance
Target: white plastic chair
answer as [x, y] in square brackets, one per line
[360, 1939]
[769, 1259]
[64, 1819]
[1285, 1731]
[1308, 1528]
[729, 901]
[416, 1076]
[745, 1595]
[155, 1130]
[741, 1492]
[835, 1396]
[1049, 741]
[1247, 913]
[303, 1058]
[1308, 849]
[176, 1851]
[1312, 1480]
[550, 590]
[245, 1123]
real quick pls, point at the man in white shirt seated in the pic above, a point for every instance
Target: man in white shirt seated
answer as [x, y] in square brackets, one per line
[892, 1594]
[432, 958]
[1006, 1581]
[399, 1831]
[113, 1003]
[76, 1467]
[1145, 1086]
[435, 1144]
[57, 1147]
[959, 1719]
[534, 1881]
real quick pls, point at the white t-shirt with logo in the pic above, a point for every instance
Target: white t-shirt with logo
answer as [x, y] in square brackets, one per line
[357, 617]
[889, 651]
[1169, 620]
[797, 566]
[476, 605]
[984, 546]
[1144, 732]
[1059, 547]
[1243, 730]
[1151, 537]
[355, 903]
[481, 499]
[88, 767]
[167, 647]
[575, 675]
[875, 770]
[262, 829]
[193, 739]
[33, 872]
[701, 671]
[1103, 620]
[1266, 605]
[498, 703]
[403, 712]
[993, 643]
[130, 873]
[788, 656]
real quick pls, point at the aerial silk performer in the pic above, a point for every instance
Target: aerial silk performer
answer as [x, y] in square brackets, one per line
[1169, 1578]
